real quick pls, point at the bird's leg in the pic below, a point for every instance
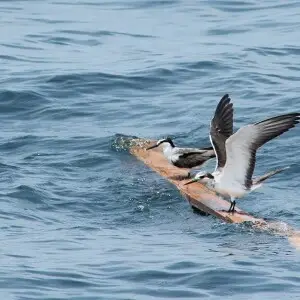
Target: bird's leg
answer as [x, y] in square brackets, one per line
[232, 205]
[233, 209]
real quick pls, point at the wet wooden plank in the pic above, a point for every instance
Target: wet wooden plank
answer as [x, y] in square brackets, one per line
[197, 194]
[200, 197]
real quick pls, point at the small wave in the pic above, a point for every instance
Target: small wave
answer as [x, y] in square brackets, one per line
[92, 82]
[247, 6]
[152, 78]
[6, 167]
[90, 161]
[227, 31]
[51, 113]
[18, 46]
[52, 38]
[143, 4]
[51, 21]
[46, 282]
[204, 65]
[101, 33]
[31, 195]
[18, 142]
[276, 51]
[67, 41]
[20, 101]
[11, 8]
[12, 58]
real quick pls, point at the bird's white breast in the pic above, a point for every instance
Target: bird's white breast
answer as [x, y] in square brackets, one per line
[229, 187]
[168, 152]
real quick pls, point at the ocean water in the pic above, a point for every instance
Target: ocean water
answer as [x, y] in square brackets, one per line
[81, 218]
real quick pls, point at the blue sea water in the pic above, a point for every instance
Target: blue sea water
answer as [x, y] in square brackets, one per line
[83, 219]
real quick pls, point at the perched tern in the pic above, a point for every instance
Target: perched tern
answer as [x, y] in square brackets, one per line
[233, 176]
[184, 157]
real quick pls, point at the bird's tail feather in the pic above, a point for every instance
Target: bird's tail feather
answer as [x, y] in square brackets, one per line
[262, 178]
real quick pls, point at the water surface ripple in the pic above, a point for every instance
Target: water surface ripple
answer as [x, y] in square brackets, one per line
[83, 219]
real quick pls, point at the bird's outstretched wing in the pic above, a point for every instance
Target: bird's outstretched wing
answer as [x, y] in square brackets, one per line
[221, 128]
[241, 147]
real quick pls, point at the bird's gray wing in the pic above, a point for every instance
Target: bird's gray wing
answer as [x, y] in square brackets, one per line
[189, 151]
[221, 128]
[190, 160]
[241, 147]
[189, 157]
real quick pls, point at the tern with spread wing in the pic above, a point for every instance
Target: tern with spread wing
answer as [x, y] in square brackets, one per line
[236, 158]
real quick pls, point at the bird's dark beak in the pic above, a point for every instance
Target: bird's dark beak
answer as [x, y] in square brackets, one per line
[191, 181]
[154, 146]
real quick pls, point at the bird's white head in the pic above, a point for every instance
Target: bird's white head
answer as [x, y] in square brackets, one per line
[202, 177]
[165, 142]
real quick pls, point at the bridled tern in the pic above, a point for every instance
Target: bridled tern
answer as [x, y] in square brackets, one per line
[234, 178]
[184, 157]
